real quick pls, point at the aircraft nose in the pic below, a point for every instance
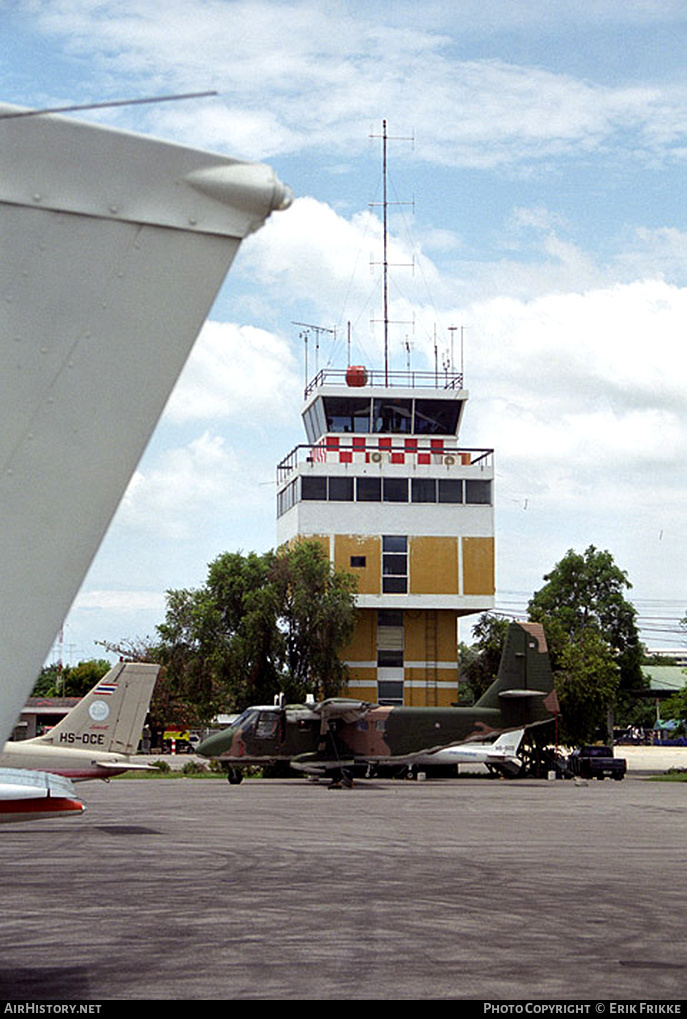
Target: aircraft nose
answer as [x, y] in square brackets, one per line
[216, 744]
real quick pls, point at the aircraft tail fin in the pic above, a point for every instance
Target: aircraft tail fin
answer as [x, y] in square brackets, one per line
[523, 690]
[111, 716]
[115, 246]
[508, 742]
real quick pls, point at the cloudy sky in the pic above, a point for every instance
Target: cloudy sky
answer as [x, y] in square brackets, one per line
[538, 159]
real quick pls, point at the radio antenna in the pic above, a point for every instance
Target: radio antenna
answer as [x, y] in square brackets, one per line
[112, 102]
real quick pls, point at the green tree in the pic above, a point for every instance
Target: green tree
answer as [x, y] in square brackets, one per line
[316, 616]
[587, 681]
[47, 682]
[675, 707]
[260, 625]
[479, 663]
[593, 640]
[70, 680]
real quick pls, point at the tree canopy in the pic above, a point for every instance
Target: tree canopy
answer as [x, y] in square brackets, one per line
[260, 625]
[587, 591]
[479, 662]
[593, 643]
[593, 639]
[70, 680]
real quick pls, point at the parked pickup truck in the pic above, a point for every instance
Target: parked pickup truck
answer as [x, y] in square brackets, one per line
[596, 762]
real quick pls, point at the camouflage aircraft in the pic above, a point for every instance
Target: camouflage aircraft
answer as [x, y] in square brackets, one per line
[338, 735]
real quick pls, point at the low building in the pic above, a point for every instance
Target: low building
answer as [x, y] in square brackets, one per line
[41, 713]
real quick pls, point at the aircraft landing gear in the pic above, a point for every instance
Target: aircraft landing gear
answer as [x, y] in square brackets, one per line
[341, 780]
[234, 776]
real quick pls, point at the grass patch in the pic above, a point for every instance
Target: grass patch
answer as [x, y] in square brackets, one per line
[161, 769]
[673, 775]
[155, 775]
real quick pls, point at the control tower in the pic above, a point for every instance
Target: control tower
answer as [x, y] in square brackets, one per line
[383, 483]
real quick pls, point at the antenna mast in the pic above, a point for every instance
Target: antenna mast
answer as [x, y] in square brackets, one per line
[385, 260]
[307, 328]
[104, 105]
[385, 255]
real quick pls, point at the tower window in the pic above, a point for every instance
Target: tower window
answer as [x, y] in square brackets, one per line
[450, 490]
[369, 489]
[390, 691]
[347, 414]
[436, 417]
[395, 490]
[478, 491]
[424, 490]
[394, 564]
[313, 487]
[392, 416]
[395, 585]
[390, 659]
[358, 562]
[341, 489]
[390, 617]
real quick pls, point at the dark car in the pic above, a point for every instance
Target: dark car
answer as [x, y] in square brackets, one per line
[596, 762]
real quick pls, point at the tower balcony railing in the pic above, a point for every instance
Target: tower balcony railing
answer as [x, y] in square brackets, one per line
[366, 449]
[353, 378]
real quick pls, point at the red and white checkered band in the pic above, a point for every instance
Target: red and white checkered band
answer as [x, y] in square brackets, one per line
[359, 449]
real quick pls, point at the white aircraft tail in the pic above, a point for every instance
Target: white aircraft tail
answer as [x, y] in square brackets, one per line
[111, 716]
[508, 742]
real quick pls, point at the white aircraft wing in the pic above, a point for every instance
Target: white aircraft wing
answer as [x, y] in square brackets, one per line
[29, 795]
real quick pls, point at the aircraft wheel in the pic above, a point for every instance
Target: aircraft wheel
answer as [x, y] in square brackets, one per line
[235, 776]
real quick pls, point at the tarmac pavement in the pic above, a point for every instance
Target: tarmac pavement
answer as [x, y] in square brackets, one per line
[645, 760]
[473, 888]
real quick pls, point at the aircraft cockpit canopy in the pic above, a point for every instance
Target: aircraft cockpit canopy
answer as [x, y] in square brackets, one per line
[259, 722]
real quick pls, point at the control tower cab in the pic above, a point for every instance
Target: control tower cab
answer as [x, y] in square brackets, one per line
[383, 483]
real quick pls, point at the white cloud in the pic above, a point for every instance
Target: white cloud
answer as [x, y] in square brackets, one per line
[618, 345]
[297, 76]
[582, 397]
[180, 494]
[583, 374]
[121, 601]
[315, 255]
[237, 373]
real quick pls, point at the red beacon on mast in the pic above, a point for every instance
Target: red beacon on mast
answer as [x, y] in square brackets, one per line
[356, 375]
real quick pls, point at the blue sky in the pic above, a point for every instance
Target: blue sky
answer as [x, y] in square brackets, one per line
[547, 175]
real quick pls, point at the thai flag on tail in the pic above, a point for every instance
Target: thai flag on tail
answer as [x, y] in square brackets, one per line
[105, 689]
